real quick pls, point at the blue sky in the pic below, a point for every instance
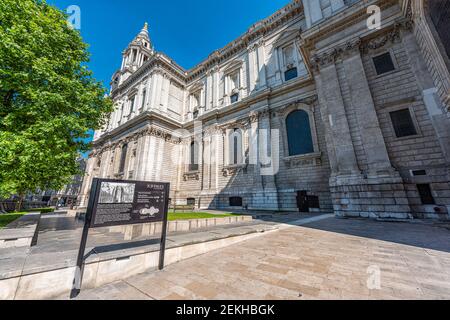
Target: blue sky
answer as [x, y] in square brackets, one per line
[187, 31]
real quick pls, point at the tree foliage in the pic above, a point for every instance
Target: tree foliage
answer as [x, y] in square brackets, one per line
[48, 98]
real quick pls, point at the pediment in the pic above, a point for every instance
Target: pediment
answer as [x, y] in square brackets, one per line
[287, 36]
[232, 66]
[196, 87]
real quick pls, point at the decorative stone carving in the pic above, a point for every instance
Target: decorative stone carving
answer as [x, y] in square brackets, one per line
[194, 175]
[232, 170]
[307, 160]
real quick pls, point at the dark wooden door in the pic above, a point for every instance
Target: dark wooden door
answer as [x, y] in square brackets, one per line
[302, 201]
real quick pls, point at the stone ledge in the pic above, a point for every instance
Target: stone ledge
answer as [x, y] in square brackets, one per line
[20, 233]
[150, 229]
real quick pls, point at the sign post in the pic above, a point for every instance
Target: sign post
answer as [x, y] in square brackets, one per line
[117, 203]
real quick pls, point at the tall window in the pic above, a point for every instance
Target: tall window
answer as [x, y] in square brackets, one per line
[235, 146]
[133, 100]
[403, 123]
[299, 133]
[123, 158]
[144, 96]
[193, 165]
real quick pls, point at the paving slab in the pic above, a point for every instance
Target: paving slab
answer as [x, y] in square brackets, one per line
[327, 259]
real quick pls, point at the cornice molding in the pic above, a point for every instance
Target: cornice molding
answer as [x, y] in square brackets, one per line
[364, 46]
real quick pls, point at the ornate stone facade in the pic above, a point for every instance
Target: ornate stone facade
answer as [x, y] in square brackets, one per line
[309, 108]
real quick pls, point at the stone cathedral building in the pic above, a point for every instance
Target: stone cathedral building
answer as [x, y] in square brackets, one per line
[358, 117]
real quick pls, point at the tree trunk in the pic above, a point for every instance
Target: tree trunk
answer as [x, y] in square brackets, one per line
[19, 203]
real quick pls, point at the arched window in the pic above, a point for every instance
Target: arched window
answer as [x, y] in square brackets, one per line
[235, 147]
[193, 165]
[299, 133]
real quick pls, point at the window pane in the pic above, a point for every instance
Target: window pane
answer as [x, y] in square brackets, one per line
[403, 123]
[299, 133]
[133, 100]
[290, 74]
[383, 63]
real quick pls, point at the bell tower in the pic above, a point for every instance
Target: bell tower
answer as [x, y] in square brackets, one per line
[138, 51]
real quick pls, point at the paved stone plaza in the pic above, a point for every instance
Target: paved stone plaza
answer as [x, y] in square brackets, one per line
[328, 259]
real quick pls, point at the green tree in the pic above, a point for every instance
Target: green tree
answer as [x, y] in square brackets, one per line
[48, 98]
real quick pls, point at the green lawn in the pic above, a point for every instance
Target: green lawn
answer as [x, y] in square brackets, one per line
[6, 219]
[196, 215]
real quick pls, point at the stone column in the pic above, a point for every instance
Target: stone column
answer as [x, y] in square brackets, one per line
[150, 158]
[141, 158]
[381, 193]
[105, 164]
[164, 93]
[369, 127]
[87, 181]
[209, 91]
[339, 142]
[268, 198]
[262, 81]
[313, 11]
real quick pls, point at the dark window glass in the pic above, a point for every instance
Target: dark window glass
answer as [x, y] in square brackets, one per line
[403, 123]
[195, 114]
[290, 74]
[299, 133]
[193, 166]
[383, 63]
[133, 100]
[440, 15]
[123, 157]
[425, 194]
[419, 173]
[234, 98]
[235, 202]
[144, 96]
[191, 201]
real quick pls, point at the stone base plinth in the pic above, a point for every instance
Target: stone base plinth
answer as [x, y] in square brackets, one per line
[380, 197]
